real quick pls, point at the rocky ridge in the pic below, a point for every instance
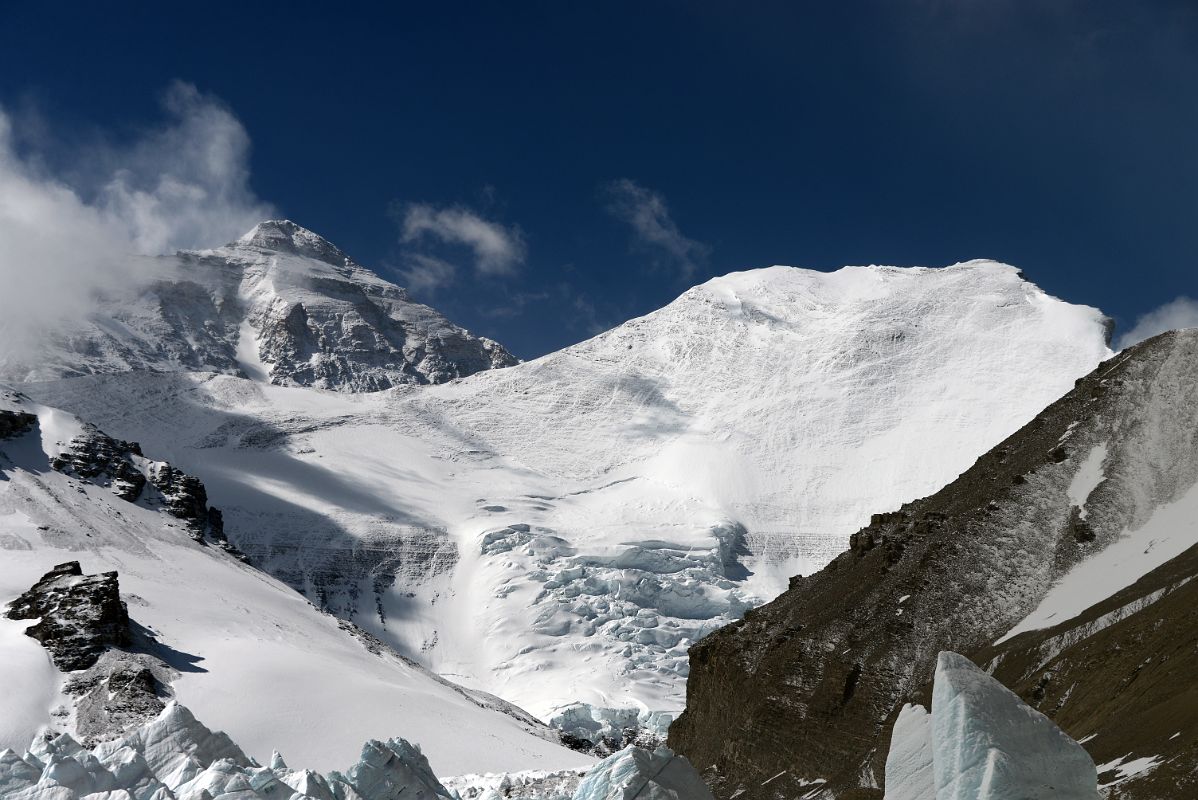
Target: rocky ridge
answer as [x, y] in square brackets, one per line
[97, 458]
[114, 679]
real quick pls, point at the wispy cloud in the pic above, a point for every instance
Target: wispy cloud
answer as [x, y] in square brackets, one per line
[422, 273]
[187, 183]
[1179, 313]
[653, 228]
[497, 250]
[63, 240]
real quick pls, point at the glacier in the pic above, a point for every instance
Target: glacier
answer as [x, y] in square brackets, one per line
[982, 742]
[240, 648]
[561, 531]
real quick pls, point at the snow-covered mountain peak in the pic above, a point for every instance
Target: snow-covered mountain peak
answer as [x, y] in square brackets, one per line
[565, 529]
[281, 305]
[851, 286]
[284, 236]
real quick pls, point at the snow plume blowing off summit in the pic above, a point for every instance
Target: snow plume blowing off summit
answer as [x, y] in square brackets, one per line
[63, 241]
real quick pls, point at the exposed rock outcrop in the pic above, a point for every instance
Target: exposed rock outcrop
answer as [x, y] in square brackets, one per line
[79, 616]
[121, 691]
[14, 423]
[99, 459]
[104, 461]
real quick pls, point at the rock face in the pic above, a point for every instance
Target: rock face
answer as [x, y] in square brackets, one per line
[1120, 676]
[14, 423]
[280, 304]
[815, 678]
[80, 615]
[99, 459]
[102, 460]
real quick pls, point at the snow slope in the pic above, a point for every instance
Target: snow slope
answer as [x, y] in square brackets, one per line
[253, 657]
[563, 530]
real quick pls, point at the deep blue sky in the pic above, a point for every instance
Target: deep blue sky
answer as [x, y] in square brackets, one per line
[1064, 141]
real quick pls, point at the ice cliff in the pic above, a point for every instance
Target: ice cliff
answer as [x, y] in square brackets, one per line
[981, 742]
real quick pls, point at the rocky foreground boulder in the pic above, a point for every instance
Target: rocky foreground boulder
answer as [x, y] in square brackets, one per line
[79, 616]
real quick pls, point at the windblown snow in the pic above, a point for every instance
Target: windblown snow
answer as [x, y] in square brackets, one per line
[563, 530]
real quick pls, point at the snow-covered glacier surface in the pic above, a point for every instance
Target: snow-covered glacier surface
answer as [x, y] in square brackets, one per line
[982, 742]
[562, 530]
[245, 652]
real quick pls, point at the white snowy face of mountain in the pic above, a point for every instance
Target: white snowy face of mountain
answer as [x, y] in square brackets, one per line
[279, 304]
[561, 531]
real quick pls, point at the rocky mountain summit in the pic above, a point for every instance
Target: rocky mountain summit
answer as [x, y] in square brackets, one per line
[1075, 534]
[280, 304]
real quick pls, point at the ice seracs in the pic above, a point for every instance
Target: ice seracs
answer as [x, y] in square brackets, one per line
[636, 773]
[176, 757]
[981, 742]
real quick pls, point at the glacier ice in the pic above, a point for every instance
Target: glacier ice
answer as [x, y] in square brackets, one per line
[601, 731]
[638, 773]
[981, 742]
[176, 757]
[909, 770]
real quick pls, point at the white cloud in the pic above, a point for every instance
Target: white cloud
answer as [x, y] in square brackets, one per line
[426, 274]
[184, 184]
[497, 249]
[649, 216]
[1179, 313]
